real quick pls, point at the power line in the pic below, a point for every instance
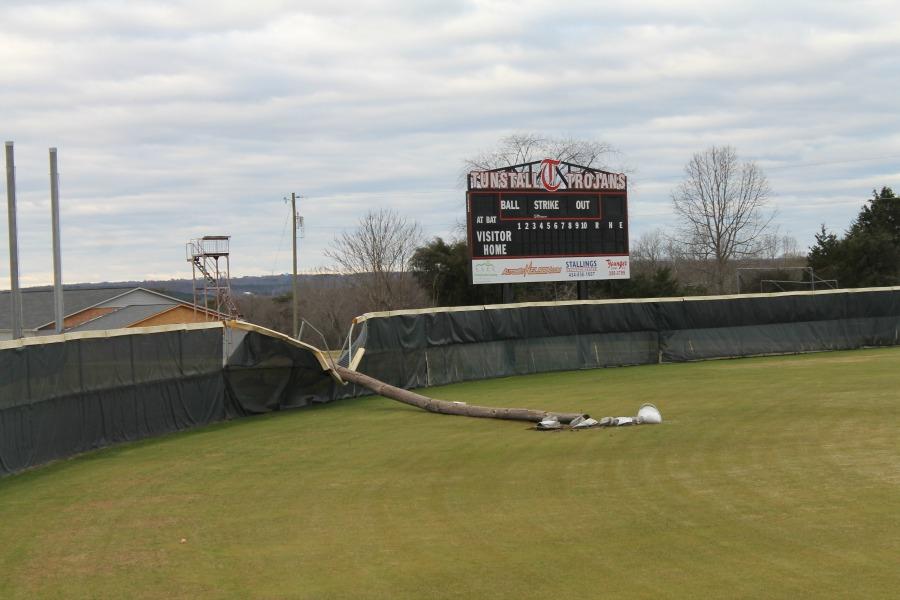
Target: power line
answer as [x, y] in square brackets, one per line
[278, 252]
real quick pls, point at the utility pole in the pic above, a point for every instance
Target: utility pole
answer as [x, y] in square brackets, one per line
[582, 289]
[14, 299]
[296, 224]
[58, 308]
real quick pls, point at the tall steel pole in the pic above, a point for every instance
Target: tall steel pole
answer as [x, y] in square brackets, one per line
[14, 299]
[294, 247]
[58, 306]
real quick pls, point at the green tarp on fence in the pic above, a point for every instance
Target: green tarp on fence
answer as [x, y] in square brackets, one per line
[64, 395]
[420, 348]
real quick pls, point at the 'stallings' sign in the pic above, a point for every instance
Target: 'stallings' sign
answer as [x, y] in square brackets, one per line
[547, 221]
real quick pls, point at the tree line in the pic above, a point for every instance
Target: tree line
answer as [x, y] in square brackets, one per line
[726, 240]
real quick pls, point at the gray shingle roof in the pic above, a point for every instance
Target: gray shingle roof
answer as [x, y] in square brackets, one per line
[37, 305]
[122, 317]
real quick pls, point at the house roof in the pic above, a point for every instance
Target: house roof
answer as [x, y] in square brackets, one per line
[37, 305]
[122, 317]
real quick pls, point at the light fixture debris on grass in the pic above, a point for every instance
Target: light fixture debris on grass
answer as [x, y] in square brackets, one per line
[648, 414]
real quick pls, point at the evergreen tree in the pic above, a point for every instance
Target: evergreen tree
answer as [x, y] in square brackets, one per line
[869, 254]
[661, 283]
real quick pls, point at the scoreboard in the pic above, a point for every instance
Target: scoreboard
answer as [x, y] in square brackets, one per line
[517, 236]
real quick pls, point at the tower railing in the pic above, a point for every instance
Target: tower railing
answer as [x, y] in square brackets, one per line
[211, 274]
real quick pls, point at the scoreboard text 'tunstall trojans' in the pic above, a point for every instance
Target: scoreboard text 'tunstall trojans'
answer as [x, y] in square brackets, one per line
[547, 221]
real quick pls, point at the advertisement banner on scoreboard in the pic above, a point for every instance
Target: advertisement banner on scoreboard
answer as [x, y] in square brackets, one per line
[569, 268]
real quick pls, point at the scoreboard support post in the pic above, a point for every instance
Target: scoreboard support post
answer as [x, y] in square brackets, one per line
[582, 290]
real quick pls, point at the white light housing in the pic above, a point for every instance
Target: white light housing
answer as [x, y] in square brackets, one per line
[649, 414]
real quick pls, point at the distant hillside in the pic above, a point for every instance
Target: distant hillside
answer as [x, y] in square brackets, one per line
[259, 285]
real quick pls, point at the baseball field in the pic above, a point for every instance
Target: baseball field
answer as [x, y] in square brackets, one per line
[773, 477]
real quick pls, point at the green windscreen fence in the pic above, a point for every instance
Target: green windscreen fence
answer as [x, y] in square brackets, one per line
[64, 395]
[70, 394]
[421, 348]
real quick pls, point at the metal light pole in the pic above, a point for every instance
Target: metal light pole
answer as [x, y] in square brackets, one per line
[14, 299]
[58, 307]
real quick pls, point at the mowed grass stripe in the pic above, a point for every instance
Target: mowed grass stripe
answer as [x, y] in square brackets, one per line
[771, 477]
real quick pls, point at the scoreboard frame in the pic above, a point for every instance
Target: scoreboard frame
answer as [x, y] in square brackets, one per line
[551, 186]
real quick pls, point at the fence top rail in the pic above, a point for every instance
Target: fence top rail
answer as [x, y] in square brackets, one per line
[325, 362]
[105, 333]
[478, 307]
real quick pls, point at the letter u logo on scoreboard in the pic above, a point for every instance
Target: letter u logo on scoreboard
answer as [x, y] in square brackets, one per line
[549, 178]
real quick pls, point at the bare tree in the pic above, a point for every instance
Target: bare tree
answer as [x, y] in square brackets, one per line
[775, 245]
[521, 148]
[377, 254]
[266, 311]
[649, 251]
[768, 245]
[371, 275]
[328, 303]
[790, 248]
[722, 205]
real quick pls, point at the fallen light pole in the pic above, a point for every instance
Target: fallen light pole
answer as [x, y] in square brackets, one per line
[648, 414]
[446, 407]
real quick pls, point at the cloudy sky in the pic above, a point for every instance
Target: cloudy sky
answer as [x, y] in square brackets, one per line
[179, 119]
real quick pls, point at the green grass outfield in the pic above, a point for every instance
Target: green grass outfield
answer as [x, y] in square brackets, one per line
[770, 478]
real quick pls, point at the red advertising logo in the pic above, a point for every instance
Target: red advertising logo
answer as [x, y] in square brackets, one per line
[617, 268]
[549, 179]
